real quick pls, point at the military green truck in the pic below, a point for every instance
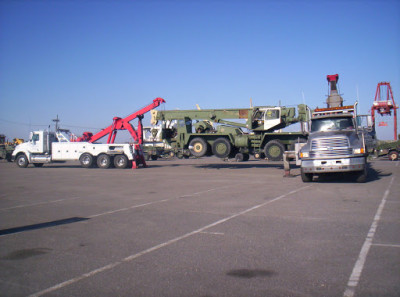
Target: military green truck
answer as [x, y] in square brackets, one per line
[153, 146]
[6, 148]
[231, 133]
[390, 148]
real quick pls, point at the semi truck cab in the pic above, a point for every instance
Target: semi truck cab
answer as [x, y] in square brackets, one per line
[335, 144]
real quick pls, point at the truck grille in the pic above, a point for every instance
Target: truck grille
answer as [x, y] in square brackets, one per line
[330, 147]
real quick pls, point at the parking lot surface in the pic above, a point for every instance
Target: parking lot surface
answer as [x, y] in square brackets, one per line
[197, 227]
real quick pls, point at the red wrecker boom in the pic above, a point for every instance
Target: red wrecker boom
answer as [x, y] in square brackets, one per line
[123, 124]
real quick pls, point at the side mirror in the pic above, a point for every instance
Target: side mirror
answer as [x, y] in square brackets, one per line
[305, 127]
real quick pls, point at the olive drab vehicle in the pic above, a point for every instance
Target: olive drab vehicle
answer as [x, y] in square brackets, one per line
[231, 133]
[6, 148]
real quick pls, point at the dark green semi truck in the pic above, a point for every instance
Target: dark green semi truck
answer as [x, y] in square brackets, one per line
[390, 148]
[6, 148]
[231, 133]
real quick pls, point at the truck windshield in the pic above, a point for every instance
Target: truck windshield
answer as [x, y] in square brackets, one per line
[320, 125]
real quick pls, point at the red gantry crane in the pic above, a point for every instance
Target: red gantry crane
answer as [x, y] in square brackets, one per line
[124, 124]
[385, 107]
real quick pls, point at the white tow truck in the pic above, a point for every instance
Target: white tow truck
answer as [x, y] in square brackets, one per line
[48, 147]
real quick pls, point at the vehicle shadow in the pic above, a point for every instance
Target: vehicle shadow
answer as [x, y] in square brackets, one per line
[41, 225]
[238, 166]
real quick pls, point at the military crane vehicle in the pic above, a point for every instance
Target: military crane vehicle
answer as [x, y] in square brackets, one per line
[232, 132]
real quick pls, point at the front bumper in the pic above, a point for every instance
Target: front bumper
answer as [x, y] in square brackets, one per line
[333, 165]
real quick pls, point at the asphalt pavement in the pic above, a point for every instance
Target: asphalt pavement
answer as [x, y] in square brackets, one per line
[198, 227]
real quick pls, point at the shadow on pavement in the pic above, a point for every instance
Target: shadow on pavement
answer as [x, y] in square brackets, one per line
[41, 225]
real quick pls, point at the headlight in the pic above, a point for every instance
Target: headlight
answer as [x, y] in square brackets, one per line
[359, 151]
[304, 155]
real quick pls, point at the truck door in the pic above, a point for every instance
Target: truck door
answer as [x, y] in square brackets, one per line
[272, 118]
[36, 143]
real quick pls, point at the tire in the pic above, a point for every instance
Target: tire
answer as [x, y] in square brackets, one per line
[239, 157]
[104, 161]
[154, 157]
[393, 155]
[273, 150]
[306, 177]
[22, 161]
[38, 164]
[121, 161]
[221, 148]
[198, 147]
[246, 157]
[86, 160]
[362, 176]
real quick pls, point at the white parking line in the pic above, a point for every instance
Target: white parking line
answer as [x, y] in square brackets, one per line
[386, 245]
[128, 208]
[159, 246]
[212, 233]
[153, 202]
[358, 267]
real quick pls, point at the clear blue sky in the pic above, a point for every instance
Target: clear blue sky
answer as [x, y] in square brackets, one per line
[89, 61]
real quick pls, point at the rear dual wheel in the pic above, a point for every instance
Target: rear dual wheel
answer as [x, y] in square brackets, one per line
[104, 161]
[121, 161]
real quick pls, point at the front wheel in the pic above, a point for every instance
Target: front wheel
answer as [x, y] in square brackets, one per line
[274, 150]
[22, 161]
[362, 176]
[306, 177]
[393, 155]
